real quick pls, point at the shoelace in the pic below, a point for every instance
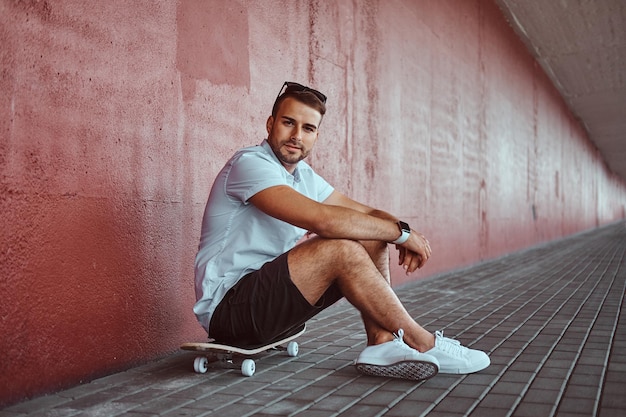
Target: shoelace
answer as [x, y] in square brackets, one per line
[398, 338]
[448, 345]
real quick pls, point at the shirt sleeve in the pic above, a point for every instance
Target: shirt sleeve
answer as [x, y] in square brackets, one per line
[251, 173]
[323, 188]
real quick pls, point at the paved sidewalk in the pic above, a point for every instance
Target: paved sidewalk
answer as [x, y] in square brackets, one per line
[552, 319]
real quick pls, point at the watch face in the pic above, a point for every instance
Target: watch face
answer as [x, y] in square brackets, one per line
[404, 226]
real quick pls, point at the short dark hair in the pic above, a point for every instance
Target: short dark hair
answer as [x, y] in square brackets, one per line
[305, 95]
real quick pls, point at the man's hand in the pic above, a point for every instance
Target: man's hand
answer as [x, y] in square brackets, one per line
[414, 253]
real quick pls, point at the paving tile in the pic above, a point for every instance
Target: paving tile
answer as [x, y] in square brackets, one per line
[408, 408]
[616, 377]
[355, 389]
[468, 391]
[578, 391]
[238, 411]
[614, 398]
[488, 411]
[495, 400]
[585, 380]
[361, 410]
[263, 397]
[41, 403]
[583, 406]
[509, 388]
[143, 396]
[527, 409]
[180, 412]
[310, 394]
[381, 397]
[309, 413]
[541, 396]
[519, 376]
[55, 412]
[335, 403]
[547, 383]
[285, 407]
[426, 393]
[5, 413]
[161, 405]
[552, 372]
[292, 384]
[454, 406]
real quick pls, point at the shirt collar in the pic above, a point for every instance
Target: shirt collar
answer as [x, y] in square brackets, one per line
[296, 173]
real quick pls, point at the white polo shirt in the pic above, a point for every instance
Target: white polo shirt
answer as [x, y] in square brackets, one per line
[237, 238]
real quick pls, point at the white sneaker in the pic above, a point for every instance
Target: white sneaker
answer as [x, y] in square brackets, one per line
[457, 359]
[396, 359]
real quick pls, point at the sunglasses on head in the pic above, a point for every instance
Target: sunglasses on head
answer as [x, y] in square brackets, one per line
[289, 87]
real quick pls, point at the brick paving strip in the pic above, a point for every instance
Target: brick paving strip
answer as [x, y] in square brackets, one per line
[551, 317]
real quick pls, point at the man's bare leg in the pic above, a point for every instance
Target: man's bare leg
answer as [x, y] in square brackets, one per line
[379, 254]
[317, 263]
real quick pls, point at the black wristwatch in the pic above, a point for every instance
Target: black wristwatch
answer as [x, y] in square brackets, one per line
[405, 231]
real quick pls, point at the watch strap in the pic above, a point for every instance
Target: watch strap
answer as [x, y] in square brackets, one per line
[405, 231]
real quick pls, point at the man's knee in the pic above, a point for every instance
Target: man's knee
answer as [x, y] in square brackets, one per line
[343, 247]
[322, 248]
[374, 246]
[330, 254]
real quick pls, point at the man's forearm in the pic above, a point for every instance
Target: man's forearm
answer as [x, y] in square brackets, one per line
[346, 223]
[383, 215]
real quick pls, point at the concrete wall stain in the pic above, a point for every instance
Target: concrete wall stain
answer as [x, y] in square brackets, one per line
[212, 43]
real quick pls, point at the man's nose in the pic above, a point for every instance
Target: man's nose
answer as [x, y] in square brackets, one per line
[297, 133]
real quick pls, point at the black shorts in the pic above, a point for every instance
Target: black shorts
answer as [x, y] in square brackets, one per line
[264, 306]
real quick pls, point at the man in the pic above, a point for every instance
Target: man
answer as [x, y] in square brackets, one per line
[255, 284]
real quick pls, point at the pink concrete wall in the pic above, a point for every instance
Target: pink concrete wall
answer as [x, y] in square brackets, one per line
[115, 118]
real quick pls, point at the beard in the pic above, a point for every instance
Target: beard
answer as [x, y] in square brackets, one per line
[288, 157]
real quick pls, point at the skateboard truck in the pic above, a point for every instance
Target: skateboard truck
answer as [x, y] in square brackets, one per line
[225, 353]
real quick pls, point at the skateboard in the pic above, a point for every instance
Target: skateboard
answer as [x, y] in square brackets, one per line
[214, 350]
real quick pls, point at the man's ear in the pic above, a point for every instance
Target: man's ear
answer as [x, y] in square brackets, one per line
[269, 124]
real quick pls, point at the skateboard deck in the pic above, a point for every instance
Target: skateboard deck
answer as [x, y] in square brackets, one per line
[248, 366]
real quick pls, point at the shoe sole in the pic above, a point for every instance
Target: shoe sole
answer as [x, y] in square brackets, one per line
[413, 370]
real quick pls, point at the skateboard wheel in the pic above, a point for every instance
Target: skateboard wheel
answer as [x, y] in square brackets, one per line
[200, 364]
[292, 349]
[248, 367]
